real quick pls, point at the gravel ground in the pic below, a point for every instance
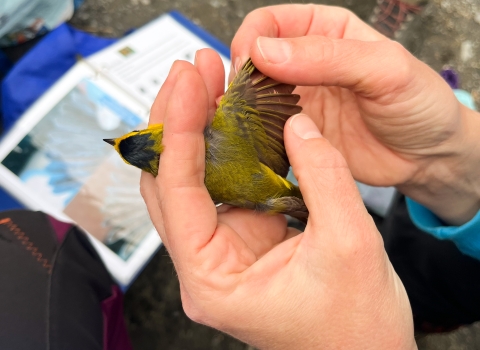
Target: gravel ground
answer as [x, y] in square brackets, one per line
[444, 34]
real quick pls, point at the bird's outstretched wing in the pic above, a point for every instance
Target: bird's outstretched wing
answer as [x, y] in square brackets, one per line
[263, 105]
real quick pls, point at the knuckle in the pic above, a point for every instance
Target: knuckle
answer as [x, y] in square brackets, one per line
[339, 11]
[256, 14]
[190, 307]
[356, 245]
[365, 241]
[178, 66]
[324, 168]
[262, 20]
[251, 15]
[197, 311]
[346, 12]
[193, 312]
[395, 48]
[322, 157]
[315, 49]
[399, 58]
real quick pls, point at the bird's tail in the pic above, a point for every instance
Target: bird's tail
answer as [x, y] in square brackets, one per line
[292, 206]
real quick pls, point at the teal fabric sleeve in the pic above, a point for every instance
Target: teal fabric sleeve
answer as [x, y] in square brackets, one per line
[467, 236]
[465, 98]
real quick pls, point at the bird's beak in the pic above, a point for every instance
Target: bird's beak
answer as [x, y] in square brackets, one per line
[110, 141]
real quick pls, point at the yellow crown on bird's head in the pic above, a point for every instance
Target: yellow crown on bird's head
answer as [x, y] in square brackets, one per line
[141, 148]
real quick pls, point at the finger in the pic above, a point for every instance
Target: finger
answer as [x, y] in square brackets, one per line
[188, 211]
[157, 112]
[210, 66]
[148, 189]
[327, 186]
[286, 21]
[370, 68]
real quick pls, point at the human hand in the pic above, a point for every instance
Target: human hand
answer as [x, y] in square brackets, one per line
[395, 120]
[245, 272]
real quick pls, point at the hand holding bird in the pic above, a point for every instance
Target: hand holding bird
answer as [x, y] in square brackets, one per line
[245, 272]
[393, 118]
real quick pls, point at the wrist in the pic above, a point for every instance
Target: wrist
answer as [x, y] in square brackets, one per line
[447, 182]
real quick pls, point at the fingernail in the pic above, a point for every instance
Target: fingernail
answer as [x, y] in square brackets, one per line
[304, 127]
[274, 50]
[237, 64]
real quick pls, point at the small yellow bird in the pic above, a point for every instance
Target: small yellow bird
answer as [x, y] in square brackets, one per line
[245, 159]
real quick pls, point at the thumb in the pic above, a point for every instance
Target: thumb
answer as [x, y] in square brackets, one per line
[367, 67]
[327, 186]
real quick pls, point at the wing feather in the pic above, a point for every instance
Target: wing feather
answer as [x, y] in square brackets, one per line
[256, 100]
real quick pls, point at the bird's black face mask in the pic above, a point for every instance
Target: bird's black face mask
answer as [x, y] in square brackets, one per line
[138, 150]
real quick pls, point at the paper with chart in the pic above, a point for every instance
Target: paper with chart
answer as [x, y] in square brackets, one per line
[55, 160]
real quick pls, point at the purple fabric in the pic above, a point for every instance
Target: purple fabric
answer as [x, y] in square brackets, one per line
[115, 336]
[61, 228]
[451, 77]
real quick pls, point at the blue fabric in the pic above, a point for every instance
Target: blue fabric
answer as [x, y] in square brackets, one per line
[5, 65]
[42, 66]
[465, 98]
[39, 69]
[467, 236]
[7, 202]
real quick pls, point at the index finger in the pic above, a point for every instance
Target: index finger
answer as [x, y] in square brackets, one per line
[295, 20]
[157, 112]
[188, 212]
